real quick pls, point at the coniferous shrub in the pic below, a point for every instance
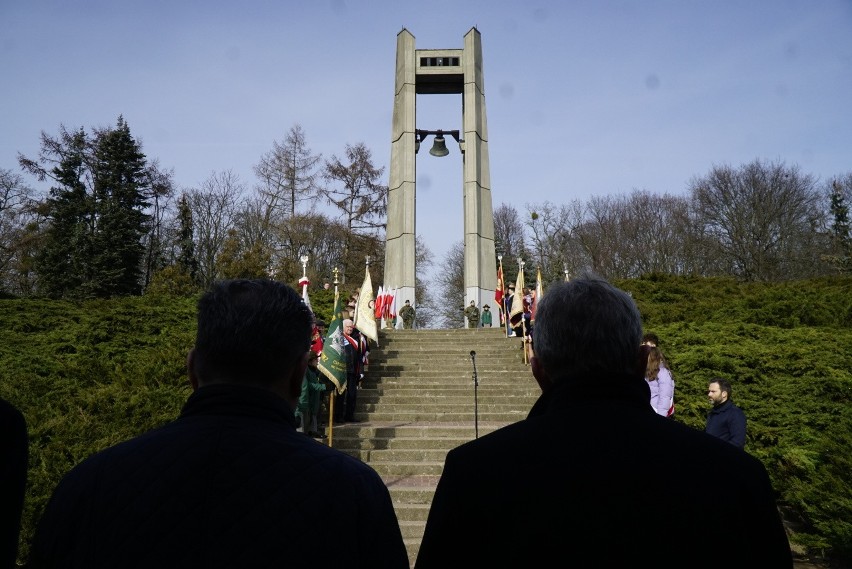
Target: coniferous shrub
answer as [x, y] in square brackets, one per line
[88, 375]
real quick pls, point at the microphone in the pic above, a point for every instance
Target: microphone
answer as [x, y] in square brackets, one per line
[472, 354]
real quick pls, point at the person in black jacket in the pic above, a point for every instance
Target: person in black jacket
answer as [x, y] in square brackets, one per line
[593, 477]
[14, 443]
[725, 420]
[230, 483]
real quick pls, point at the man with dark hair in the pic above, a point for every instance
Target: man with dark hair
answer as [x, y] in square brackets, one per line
[229, 483]
[725, 420]
[593, 476]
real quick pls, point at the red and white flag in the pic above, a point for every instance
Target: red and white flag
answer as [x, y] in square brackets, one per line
[380, 302]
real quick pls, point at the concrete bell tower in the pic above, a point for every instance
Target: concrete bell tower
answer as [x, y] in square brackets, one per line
[432, 72]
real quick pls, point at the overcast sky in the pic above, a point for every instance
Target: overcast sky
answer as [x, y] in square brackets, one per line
[583, 98]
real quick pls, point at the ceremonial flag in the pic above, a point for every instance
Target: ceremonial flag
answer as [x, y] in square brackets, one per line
[380, 300]
[304, 282]
[392, 309]
[517, 312]
[316, 339]
[498, 294]
[539, 292]
[332, 362]
[365, 319]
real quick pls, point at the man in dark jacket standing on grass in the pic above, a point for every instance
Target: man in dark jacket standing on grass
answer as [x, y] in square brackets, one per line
[725, 420]
[230, 483]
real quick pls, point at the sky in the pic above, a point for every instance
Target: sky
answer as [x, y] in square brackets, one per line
[583, 98]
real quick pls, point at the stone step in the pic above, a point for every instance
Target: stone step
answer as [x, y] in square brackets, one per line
[385, 456]
[386, 469]
[399, 443]
[419, 401]
[394, 429]
[441, 415]
[413, 396]
[441, 404]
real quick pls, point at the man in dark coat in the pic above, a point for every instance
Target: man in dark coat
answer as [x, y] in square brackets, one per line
[725, 420]
[230, 483]
[355, 351]
[594, 477]
[14, 444]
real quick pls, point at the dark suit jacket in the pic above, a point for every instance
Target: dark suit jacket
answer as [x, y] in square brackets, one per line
[228, 484]
[14, 444]
[595, 478]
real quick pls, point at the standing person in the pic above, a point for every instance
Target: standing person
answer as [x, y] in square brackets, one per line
[472, 315]
[407, 315]
[528, 299]
[507, 310]
[660, 382]
[725, 420]
[486, 316]
[308, 406]
[14, 444]
[229, 483]
[354, 349]
[593, 469]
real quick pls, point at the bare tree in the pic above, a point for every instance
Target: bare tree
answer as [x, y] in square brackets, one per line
[552, 240]
[214, 207]
[509, 238]
[426, 301]
[661, 238]
[156, 241]
[765, 218]
[355, 190]
[17, 210]
[288, 175]
[450, 288]
[311, 234]
[600, 236]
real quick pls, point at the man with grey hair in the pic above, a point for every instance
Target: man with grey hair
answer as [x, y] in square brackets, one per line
[594, 477]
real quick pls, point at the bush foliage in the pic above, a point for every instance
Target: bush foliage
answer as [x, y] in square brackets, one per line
[88, 375]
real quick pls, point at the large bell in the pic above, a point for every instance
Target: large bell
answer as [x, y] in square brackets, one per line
[439, 147]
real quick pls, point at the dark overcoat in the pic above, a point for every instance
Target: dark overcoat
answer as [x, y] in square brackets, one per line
[230, 483]
[595, 478]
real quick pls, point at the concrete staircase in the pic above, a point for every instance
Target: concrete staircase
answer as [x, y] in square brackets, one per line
[418, 401]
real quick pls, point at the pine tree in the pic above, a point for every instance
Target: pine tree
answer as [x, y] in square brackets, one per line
[61, 264]
[841, 234]
[186, 246]
[96, 213]
[120, 186]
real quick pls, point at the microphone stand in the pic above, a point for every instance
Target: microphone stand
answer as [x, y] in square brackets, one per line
[475, 399]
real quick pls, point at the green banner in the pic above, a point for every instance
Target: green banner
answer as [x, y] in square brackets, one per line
[332, 362]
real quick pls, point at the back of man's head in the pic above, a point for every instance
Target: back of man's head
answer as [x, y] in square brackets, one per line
[250, 331]
[587, 330]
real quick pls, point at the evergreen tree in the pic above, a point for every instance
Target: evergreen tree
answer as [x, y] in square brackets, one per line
[120, 186]
[187, 261]
[62, 264]
[95, 212]
[841, 233]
